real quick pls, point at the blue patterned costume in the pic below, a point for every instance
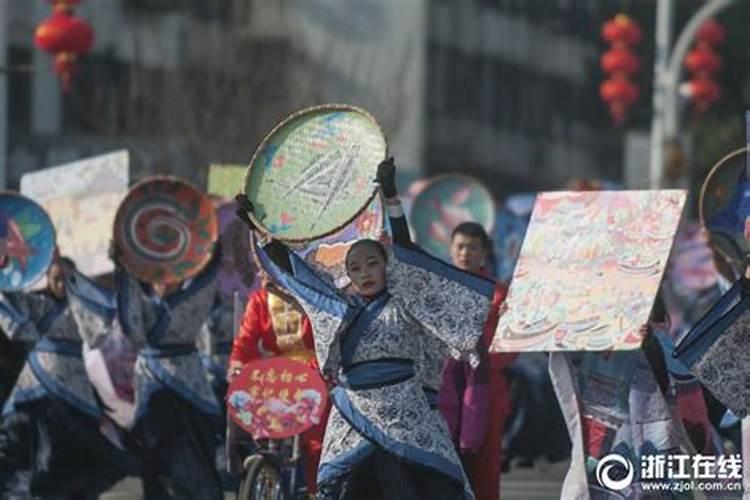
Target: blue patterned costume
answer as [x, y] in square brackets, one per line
[50, 443]
[177, 419]
[381, 423]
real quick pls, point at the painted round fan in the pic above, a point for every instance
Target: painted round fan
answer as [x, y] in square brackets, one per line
[27, 242]
[166, 230]
[444, 203]
[314, 172]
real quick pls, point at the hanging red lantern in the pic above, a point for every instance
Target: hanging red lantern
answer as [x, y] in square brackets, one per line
[702, 92]
[711, 33]
[622, 30]
[65, 37]
[702, 61]
[620, 61]
[619, 94]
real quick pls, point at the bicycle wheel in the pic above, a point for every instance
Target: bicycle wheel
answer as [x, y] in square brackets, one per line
[262, 480]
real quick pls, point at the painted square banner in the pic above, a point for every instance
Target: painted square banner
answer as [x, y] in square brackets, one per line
[589, 270]
[226, 181]
[82, 198]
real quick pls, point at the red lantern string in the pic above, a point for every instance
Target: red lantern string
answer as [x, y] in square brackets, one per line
[619, 63]
[703, 63]
[65, 37]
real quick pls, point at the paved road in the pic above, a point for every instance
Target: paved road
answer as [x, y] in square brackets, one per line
[540, 483]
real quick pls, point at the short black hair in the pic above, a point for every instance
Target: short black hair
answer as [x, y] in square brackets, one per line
[64, 262]
[472, 230]
[367, 243]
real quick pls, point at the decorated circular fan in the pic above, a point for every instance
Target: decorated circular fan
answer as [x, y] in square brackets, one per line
[724, 207]
[27, 242]
[276, 398]
[165, 230]
[314, 172]
[446, 202]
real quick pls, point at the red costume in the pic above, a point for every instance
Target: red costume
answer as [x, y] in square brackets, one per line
[484, 468]
[274, 325]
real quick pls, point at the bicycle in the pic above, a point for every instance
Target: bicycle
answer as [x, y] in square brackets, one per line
[271, 472]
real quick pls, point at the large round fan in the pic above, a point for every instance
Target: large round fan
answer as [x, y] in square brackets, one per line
[166, 230]
[444, 203]
[27, 242]
[314, 172]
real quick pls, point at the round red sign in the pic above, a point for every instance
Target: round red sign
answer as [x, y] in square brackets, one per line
[276, 398]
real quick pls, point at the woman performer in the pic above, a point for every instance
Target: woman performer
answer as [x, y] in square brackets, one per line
[177, 416]
[382, 439]
[50, 439]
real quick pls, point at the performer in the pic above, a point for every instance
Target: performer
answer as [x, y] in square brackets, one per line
[177, 416]
[275, 325]
[616, 402]
[382, 440]
[475, 401]
[50, 439]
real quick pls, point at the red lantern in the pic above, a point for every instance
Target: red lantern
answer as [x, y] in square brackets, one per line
[619, 94]
[65, 37]
[620, 61]
[622, 30]
[703, 92]
[711, 33]
[702, 61]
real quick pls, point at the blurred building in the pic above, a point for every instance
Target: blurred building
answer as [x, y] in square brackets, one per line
[502, 89]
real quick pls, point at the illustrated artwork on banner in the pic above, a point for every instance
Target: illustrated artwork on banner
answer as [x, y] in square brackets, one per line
[589, 270]
[314, 172]
[691, 284]
[276, 398]
[82, 198]
[328, 255]
[27, 242]
[237, 272]
[443, 204]
[166, 230]
[225, 181]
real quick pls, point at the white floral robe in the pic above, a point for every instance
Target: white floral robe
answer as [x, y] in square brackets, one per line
[376, 351]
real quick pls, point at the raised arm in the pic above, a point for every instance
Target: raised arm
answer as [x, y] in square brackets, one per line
[386, 178]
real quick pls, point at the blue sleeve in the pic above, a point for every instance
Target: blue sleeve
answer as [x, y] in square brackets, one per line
[17, 318]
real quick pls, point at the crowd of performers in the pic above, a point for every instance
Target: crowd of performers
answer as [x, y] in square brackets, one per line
[419, 404]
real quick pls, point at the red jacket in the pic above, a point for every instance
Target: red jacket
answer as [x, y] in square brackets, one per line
[273, 325]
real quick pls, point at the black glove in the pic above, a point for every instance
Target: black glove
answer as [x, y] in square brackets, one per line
[114, 252]
[386, 177]
[242, 207]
